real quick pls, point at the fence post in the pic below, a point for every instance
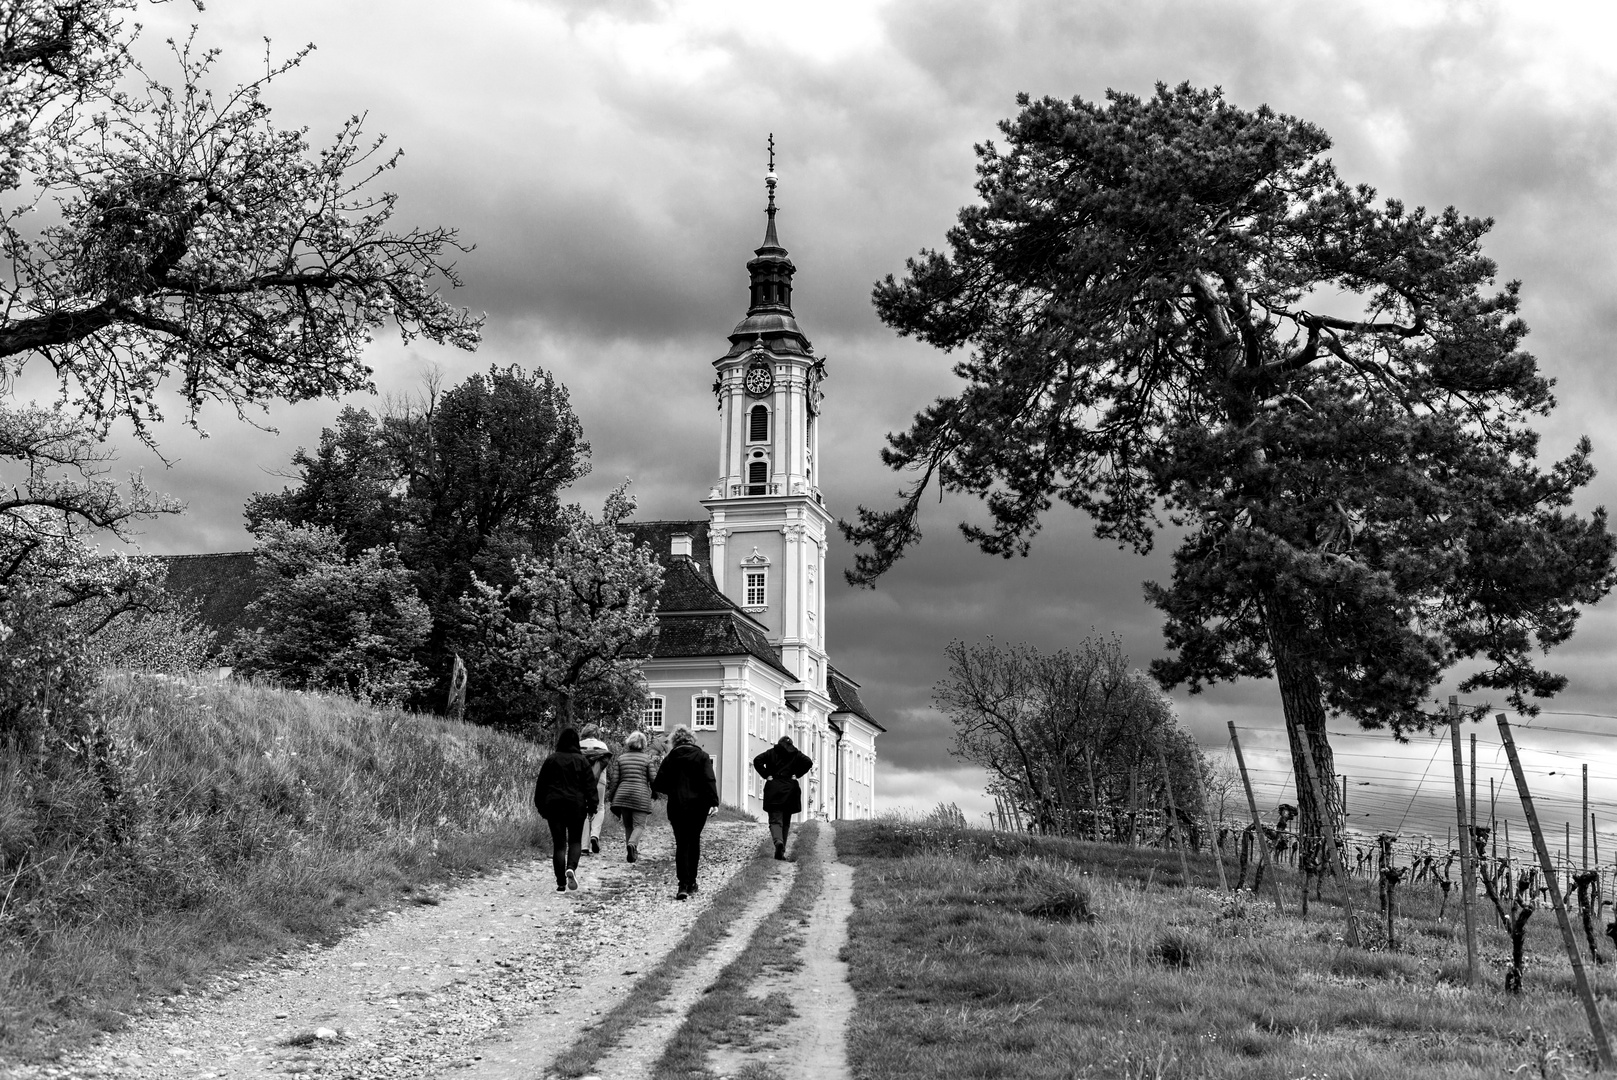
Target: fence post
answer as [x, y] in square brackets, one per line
[455, 707]
[1333, 851]
[1584, 865]
[1465, 846]
[1261, 840]
[1218, 850]
[1596, 1028]
[1173, 809]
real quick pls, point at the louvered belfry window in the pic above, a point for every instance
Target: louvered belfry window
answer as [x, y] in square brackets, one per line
[757, 477]
[758, 430]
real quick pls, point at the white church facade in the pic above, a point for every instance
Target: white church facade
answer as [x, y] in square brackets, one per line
[742, 656]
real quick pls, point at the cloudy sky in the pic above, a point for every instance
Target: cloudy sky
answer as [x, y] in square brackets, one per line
[606, 157]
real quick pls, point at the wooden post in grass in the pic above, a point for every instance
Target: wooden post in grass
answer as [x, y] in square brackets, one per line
[1464, 840]
[1173, 811]
[455, 707]
[1213, 827]
[1585, 863]
[1333, 852]
[1596, 1028]
[1258, 838]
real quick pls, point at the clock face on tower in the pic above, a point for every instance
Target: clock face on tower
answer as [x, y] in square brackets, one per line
[760, 379]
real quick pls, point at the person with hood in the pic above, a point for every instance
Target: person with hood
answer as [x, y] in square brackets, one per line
[686, 779]
[780, 766]
[628, 789]
[565, 794]
[600, 758]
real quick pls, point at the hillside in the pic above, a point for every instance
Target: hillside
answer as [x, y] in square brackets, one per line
[984, 954]
[231, 822]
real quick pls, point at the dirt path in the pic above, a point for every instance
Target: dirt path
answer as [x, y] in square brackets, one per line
[633, 1061]
[432, 990]
[813, 1044]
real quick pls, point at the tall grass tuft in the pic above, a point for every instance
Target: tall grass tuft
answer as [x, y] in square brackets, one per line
[219, 822]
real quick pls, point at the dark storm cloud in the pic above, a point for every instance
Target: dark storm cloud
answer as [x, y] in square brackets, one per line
[607, 161]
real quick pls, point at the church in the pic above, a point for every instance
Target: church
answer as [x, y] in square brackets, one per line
[741, 656]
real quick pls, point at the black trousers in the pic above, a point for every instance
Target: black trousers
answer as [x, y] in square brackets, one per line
[566, 842]
[687, 825]
[780, 825]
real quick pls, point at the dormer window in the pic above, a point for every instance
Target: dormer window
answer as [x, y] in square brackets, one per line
[758, 424]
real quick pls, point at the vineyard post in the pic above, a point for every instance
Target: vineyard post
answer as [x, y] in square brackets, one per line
[1258, 838]
[1464, 840]
[1596, 1028]
[1333, 851]
[1213, 829]
[1173, 810]
[1584, 864]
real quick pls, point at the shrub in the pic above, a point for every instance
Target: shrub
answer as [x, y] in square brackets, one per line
[1180, 948]
[1054, 893]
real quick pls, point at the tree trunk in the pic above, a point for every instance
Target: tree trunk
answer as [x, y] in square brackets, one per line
[1302, 700]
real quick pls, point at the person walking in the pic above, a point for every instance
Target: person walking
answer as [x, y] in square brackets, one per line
[780, 766]
[565, 794]
[686, 779]
[600, 759]
[628, 790]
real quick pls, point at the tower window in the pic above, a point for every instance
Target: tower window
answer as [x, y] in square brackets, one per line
[757, 477]
[755, 590]
[758, 424]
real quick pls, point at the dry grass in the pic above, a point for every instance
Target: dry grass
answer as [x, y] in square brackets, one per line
[959, 976]
[234, 820]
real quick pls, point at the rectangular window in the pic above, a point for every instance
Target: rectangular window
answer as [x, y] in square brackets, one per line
[752, 717]
[651, 717]
[755, 588]
[705, 714]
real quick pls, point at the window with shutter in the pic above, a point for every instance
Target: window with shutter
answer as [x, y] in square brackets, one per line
[758, 430]
[757, 477]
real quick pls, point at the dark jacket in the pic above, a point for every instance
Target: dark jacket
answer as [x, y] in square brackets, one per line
[566, 783]
[780, 766]
[686, 778]
[628, 785]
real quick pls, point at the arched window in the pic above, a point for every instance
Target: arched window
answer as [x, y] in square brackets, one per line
[758, 424]
[757, 477]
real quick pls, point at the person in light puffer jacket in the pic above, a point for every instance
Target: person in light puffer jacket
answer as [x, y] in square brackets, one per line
[628, 789]
[599, 756]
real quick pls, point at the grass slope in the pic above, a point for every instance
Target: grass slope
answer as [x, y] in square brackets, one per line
[236, 820]
[974, 954]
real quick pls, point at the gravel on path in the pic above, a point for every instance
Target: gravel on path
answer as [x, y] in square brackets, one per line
[422, 990]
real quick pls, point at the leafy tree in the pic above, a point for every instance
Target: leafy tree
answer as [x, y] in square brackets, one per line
[573, 629]
[1069, 734]
[169, 638]
[331, 621]
[1173, 305]
[462, 481]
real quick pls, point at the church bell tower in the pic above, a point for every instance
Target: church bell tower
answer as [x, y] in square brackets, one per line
[769, 523]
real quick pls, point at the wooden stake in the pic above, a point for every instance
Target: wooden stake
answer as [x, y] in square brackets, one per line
[1596, 1028]
[1218, 851]
[1333, 851]
[1465, 845]
[1585, 862]
[1173, 809]
[1258, 838]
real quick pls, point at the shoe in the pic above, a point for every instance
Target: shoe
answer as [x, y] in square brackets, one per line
[561, 888]
[634, 856]
[691, 889]
[595, 845]
[572, 880]
[682, 895]
[780, 852]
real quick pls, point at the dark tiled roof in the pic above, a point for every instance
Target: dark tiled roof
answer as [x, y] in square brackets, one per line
[223, 584]
[660, 535]
[695, 619]
[845, 696]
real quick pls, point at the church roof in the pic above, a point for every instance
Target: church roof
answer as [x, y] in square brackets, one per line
[695, 619]
[221, 584]
[845, 696]
[660, 535]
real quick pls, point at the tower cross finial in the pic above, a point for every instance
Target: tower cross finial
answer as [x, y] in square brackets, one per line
[771, 151]
[769, 182]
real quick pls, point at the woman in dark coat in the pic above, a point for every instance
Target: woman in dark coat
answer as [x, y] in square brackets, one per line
[565, 794]
[780, 766]
[686, 779]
